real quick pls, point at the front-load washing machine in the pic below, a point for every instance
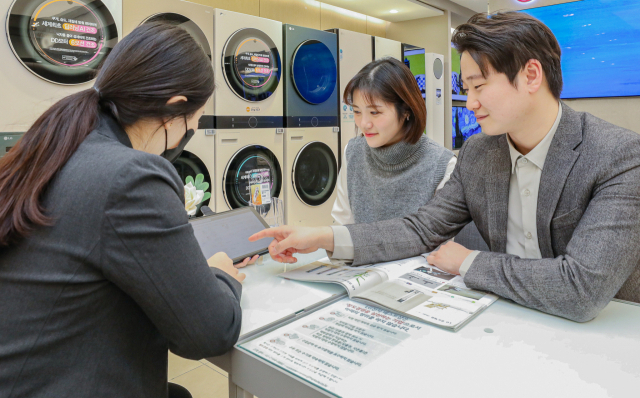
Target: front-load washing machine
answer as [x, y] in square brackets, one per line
[311, 116]
[52, 49]
[248, 105]
[355, 51]
[199, 154]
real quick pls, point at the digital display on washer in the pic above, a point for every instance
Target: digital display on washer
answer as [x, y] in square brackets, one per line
[61, 41]
[251, 166]
[251, 63]
[314, 71]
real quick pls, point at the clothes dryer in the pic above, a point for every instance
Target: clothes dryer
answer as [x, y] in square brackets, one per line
[248, 104]
[311, 163]
[52, 49]
[355, 51]
[311, 117]
[199, 154]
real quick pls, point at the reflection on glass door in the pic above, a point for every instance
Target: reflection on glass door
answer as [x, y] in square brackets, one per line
[314, 71]
[250, 166]
[315, 173]
[251, 64]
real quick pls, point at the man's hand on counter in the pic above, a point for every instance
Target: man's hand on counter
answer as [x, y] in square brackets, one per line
[290, 240]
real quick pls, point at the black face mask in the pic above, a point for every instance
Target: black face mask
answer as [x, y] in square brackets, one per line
[173, 154]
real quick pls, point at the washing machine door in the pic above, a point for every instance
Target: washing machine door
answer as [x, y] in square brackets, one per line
[251, 64]
[63, 42]
[314, 71]
[315, 173]
[186, 24]
[250, 166]
[189, 164]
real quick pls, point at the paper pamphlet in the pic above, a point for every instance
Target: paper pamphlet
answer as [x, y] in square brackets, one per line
[331, 345]
[411, 287]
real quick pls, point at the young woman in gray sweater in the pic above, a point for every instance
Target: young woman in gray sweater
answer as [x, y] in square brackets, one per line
[392, 168]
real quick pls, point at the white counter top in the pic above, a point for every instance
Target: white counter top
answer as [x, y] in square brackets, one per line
[267, 298]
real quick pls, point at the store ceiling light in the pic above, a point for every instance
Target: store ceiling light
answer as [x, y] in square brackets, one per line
[394, 11]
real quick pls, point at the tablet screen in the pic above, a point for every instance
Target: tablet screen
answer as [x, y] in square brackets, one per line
[229, 232]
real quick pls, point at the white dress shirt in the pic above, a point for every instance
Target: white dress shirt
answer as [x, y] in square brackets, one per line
[341, 211]
[526, 170]
[522, 236]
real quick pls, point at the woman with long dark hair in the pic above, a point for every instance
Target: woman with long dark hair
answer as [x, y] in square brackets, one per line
[100, 272]
[392, 168]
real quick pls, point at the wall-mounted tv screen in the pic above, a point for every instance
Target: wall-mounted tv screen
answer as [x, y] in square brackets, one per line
[600, 41]
[457, 93]
[414, 59]
[464, 125]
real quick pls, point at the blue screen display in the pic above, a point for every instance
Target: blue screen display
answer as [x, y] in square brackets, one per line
[600, 41]
[315, 72]
[464, 125]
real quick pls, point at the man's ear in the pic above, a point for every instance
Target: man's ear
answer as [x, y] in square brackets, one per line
[534, 76]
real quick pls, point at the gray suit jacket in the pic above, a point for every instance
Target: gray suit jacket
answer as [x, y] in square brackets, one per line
[588, 220]
[90, 305]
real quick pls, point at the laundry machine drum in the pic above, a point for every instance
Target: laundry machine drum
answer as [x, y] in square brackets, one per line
[314, 71]
[251, 165]
[251, 64]
[315, 173]
[61, 41]
[186, 24]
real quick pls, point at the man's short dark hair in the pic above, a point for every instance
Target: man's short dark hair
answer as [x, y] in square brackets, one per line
[506, 41]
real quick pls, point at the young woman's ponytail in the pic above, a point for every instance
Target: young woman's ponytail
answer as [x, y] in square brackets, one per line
[154, 63]
[47, 146]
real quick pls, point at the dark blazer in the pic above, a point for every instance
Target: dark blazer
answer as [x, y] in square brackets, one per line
[90, 305]
[588, 220]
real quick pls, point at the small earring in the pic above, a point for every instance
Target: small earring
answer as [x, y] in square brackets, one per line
[407, 117]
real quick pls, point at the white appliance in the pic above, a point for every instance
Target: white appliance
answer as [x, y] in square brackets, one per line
[386, 48]
[199, 154]
[248, 108]
[51, 49]
[311, 160]
[354, 52]
[434, 91]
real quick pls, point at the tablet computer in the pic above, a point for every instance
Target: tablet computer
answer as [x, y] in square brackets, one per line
[229, 232]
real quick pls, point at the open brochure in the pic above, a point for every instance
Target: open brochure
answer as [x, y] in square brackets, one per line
[411, 287]
[332, 345]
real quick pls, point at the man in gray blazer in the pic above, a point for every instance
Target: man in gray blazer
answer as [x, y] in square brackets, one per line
[556, 198]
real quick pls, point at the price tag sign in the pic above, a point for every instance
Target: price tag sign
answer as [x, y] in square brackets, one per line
[261, 187]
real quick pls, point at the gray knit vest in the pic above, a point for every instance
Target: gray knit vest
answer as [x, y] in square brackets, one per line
[393, 181]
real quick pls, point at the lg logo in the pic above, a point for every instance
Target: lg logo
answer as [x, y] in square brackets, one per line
[524, 1]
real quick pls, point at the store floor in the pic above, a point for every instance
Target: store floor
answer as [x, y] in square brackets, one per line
[201, 378]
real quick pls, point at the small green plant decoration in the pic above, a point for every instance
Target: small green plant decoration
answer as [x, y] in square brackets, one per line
[195, 193]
